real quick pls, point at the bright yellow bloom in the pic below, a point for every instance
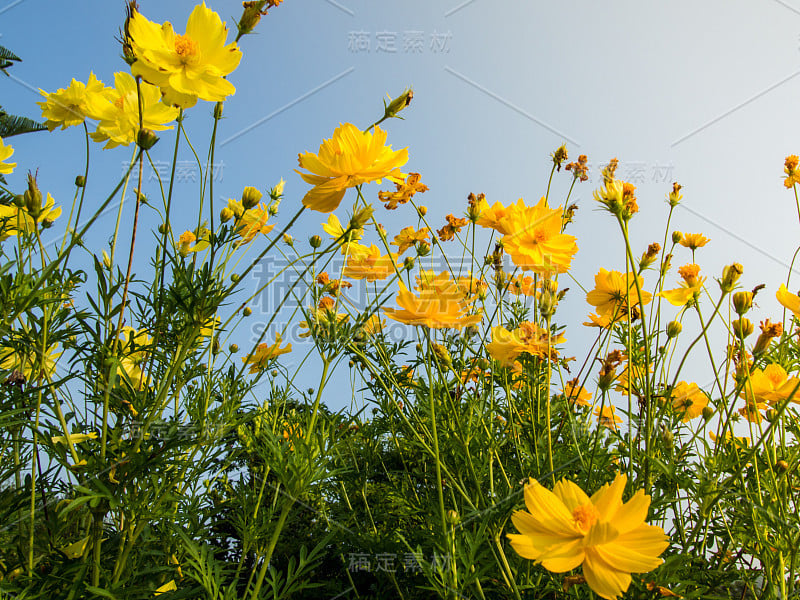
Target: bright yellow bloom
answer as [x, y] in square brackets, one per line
[491, 216]
[408, 237]
[117, 110]
[264, 353]
[690, 289]
[252, 222]
[73, 438]
[576, 394]
[133, 351]
[191, 242]
[14, 220]
[433, 309]
[334, 229]
[611, 292]
[771, 386]
[5, 153]
[788, 300]
[688, 401]
[72, 105]
[506, 346]
[467, 286]
[349, 158]
[595, 321]
[693, 241]
[607, 417]
[185, 67]
[368, 263]
[30, 363]
[534, 239]
[521, 285]
[565, 529]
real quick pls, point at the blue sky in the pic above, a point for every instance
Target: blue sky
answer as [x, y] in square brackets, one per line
[700, 93]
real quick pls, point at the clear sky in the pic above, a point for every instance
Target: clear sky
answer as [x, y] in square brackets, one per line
[700, 93]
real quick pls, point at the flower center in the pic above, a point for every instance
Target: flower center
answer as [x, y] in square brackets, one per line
[585, 516]
[539, 236]
[186, 48]
[119, 102]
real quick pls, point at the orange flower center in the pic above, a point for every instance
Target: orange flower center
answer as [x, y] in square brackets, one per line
[119, 102]
[186, 48]
[585, 516]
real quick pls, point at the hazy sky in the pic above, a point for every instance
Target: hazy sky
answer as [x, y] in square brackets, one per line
[700, 93]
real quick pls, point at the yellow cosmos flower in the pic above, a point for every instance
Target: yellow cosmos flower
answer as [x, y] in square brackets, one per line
[190, 241]
[607, 417]
[30, 364]
[688, 401]
[788, 300]
[117, 110]
[409, 237]
[435, 310]
[790, 168]
[565, 529]
[690, 289]
[771, 386]
[185, 67]
[506, 346]
[5, 153]
[596, 321]
[611, 292]
[491, 216]
[252, 222]
[264, 353]
[334, 229]
[74, 438]
[693, 241]
[14, 219]
[534, 239]
[351, 157]
[72, 105]
[368, 263]
[133, 351]
[576, 394]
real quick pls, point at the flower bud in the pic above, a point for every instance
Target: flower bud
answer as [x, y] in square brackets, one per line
[226, 214]
[273, 208]
[677, 236]
[674, 329]
[250, 17]
[106, 260]
[218, 111]
[288, 240]
[315, 241]
[423, 248]
[422, 211]
[408, 263]
[250, 197]
[742, 302]
[163, 228]
[233, 348]
[742, 327]
[360, 218]
[146, 138]
[33, 197]
[770, 415]
[559, 156]
[398, 104]
[668, 438]
[247, 311]
[80, 181]
[442, 354]
[215, 345]
[453, 517]
[675, 196]
[708, 412]
[730, 275]
[781, 466]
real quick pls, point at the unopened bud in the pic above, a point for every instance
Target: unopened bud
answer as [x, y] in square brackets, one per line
[250, 17]
[247, 311]
[163, 228]
[215, 345]
[708, 412]
[80, 181]
[423, 248]
[250, 197]
[233, 348]
[442, 354]
[422, 211]
[770, 415]
[453, 517]
[408, 263]
[742, 327]
[677, 236]
[146, 138]
[315, 241]
[674, 329]
[398, 104]
[668, 438]
[675, 196]
[742, 302]
[33, 197]
[781, 466]
[226, 214]
[360, 218]
[730, 275]
[288, 240]
[218, 111]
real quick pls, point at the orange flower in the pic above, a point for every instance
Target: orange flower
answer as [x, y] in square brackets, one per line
[369, 263]
[575, 394]
[491, 216]
[405, 191]
[611, 292]
[690, 288]
[693, 241]
[790, 168]
[449, 231]
[408, 237]
[607, 417]
[506, 346]
[772, 385]
[348, 159]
